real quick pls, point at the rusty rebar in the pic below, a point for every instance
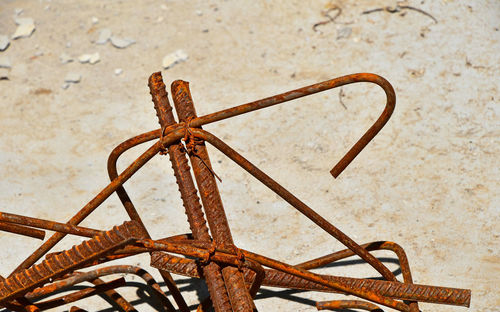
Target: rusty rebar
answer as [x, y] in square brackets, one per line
[233, 275]
[226, 256]
[39, 274]
[21, 230]
[49, 225]
[398, 250]
[239, 294]
[288, 279]
[188, 192]
[347, 304]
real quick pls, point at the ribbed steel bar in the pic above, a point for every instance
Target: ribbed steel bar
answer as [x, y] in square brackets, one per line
[190, 200]
[239, 294]
[274, 278]
[134, 215]
[77, 278]
[54, 267]
[398, 250]
[396, 290]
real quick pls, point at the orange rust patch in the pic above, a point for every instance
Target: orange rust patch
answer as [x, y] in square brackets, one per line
[41, 91]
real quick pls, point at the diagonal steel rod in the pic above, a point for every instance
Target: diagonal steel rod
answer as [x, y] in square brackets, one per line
[57, 266]
[21, 230]
[49, 225]
[294, 201]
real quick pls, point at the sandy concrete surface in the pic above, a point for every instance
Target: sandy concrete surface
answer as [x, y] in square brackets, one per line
[429, 181]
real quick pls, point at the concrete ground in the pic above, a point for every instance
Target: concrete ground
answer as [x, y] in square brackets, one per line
[429, 181]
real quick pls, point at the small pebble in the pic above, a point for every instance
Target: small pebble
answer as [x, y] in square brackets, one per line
[73, 77]
[344, 33]
[173, 58]
[18, 11]
[94, 58]
[68, 44]
[4, 42]
[118, 71]
[199, 12]
[95, 20]
[25, 27]
[121, 43]
[5, 62]
[39, 53]
[65, 85]
[89, 58]
[65, 58]
[84, 58]
[104, 35]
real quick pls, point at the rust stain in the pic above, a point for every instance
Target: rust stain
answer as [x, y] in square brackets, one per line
[41, 91]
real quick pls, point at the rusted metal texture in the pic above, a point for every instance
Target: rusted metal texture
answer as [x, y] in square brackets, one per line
[286, 279]
[232, 275]
[188, 191]
[48, 225]
[76, 257]
[347, 304]
[22, 230]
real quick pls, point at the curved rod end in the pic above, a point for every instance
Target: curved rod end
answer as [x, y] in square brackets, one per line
[376, 127]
